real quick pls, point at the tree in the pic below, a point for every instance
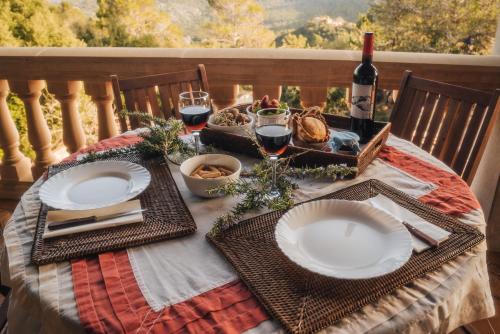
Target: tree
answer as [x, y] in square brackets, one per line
[290, 95]
[294, 41]
[133, 23]
[6, 36]
[75, 21]
[33, 23]
[237, 23]
[445, 26]
[321, 32]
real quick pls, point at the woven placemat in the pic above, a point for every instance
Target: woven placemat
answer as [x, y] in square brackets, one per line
[167, 217]
[305, 302]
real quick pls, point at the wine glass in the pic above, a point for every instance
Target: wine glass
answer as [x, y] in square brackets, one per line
[273, 134]
[194, 107]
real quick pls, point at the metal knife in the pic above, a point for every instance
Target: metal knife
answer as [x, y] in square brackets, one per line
[58, 225]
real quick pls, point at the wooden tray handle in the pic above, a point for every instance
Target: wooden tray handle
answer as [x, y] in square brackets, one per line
[377, 146]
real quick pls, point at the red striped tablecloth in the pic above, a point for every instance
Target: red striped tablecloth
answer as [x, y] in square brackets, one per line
[184, 286]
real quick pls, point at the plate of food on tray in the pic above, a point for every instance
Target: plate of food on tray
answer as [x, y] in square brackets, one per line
[231, 120]
[310, 130]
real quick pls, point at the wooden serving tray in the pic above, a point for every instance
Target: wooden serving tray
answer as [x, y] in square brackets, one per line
[310, 156]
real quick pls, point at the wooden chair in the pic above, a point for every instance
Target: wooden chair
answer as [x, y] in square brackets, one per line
[453, 123]
[156, 94]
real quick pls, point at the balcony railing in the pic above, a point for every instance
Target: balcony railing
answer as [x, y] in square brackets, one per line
[64, 71]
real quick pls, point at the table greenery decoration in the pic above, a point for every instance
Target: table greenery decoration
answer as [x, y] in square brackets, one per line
[255, 183]
[162, 138]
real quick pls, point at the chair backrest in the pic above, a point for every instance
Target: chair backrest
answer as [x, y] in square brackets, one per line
[453, 123]
[156, 94]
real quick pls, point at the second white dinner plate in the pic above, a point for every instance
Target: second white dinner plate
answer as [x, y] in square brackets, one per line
[343, 239]
[95, 185]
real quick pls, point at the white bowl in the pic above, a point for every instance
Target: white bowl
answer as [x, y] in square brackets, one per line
[200, 187]
[250, 111]
[281, 118]
[243, 130]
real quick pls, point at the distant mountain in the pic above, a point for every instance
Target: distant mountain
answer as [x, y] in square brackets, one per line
[190, 15]
[281, 15]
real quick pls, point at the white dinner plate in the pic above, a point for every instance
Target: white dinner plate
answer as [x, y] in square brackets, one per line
[95, 185]
[343, 239]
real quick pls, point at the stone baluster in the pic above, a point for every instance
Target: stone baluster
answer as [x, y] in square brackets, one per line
[66, 92]
[313, 96]
[395, 93]
[102, 95]
[223, 95]
[15, 165]
[38, 132]
[274, 91]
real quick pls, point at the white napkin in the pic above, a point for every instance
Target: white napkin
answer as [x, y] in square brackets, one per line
[387, 205]
[59, 215]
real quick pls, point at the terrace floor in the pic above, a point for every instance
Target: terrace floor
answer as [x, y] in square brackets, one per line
[487, 326]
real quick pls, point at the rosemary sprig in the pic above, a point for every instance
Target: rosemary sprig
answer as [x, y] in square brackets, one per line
[160, 139]
[108, 154]
[332, 172]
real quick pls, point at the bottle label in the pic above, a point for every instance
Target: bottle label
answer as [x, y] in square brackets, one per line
[362, 101]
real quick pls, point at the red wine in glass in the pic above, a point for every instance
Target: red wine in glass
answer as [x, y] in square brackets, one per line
[195, 117]
[274, 138]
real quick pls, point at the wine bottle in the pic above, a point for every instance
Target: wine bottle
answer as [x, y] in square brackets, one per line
[364, 87]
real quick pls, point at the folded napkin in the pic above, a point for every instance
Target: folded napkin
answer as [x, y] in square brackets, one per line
[345, 142]
[387, 205]
[60, 215]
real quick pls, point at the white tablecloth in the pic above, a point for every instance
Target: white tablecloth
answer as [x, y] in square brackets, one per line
[43, 299]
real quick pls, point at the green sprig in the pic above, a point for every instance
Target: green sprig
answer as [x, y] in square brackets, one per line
[161, 136]
[160, 139]
[332, 172]
[108, 154]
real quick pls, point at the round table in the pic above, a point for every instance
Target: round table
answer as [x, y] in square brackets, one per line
[184, 285]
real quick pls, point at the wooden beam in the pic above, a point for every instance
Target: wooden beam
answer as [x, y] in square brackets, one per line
[315, 68]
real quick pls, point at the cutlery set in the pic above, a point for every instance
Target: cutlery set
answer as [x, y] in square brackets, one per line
[58, 225]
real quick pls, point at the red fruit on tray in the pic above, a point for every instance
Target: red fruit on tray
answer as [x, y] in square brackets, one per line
[274, 103]
[264, 103]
